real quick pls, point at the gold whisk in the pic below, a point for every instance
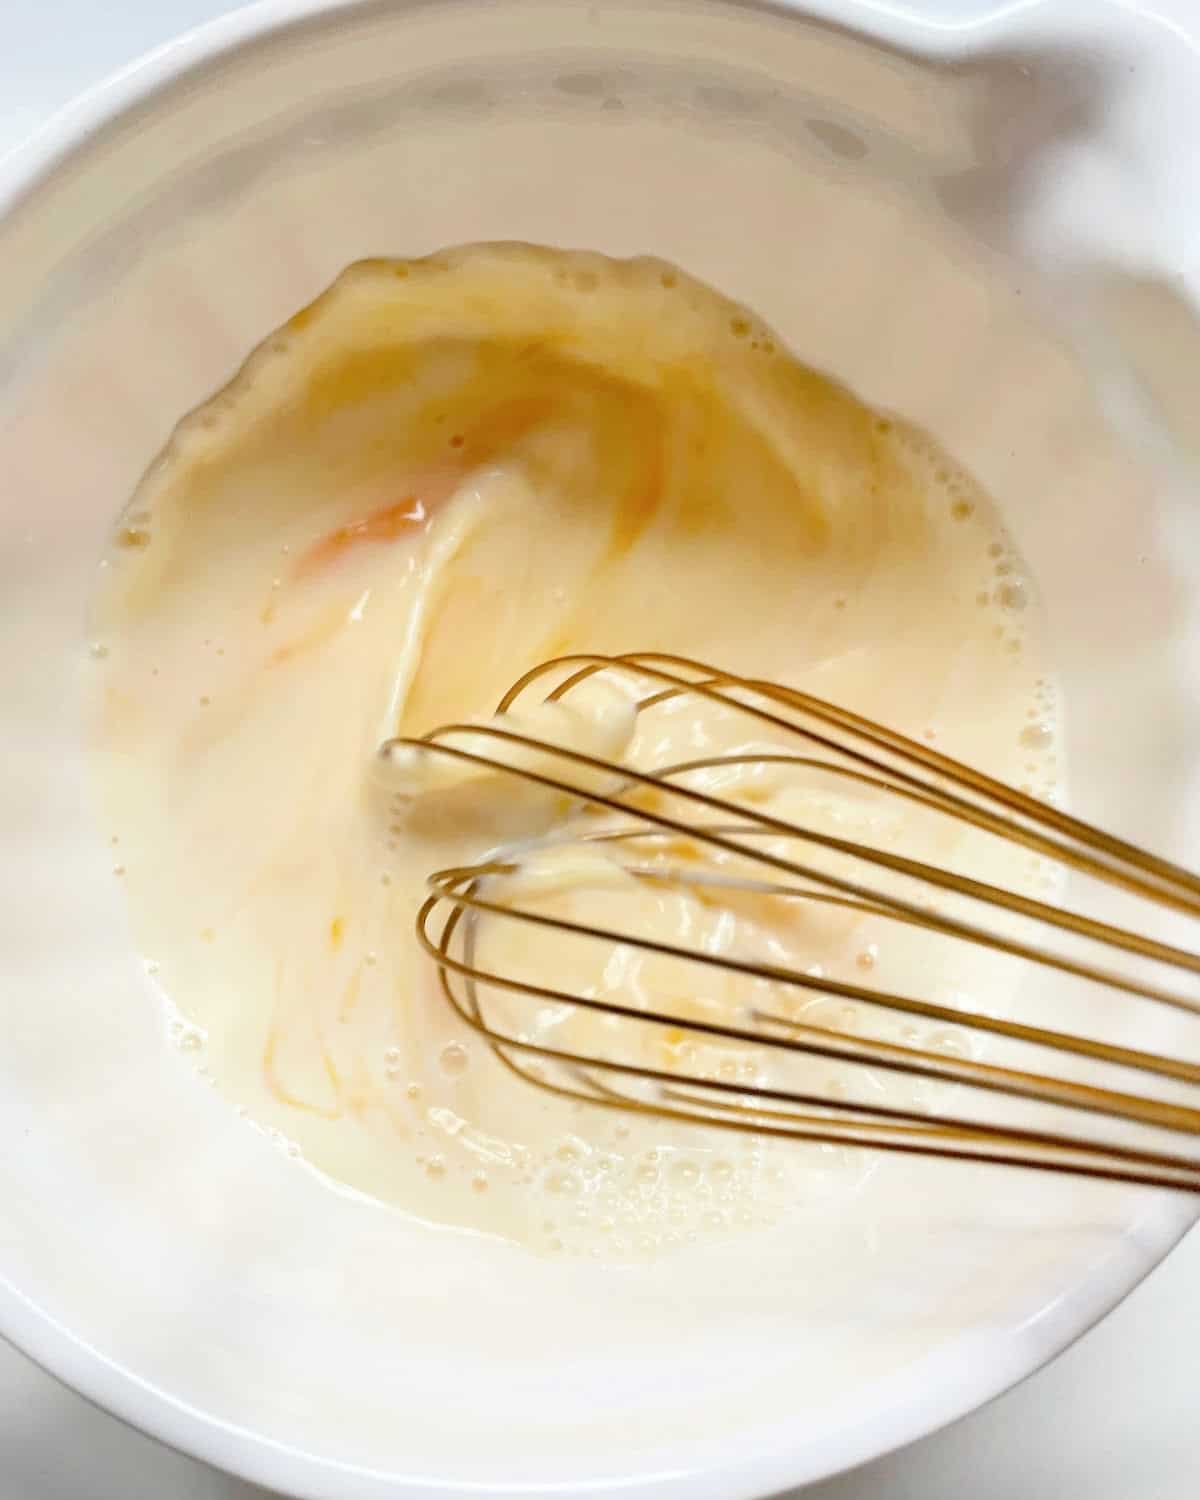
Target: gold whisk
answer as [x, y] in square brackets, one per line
[747, 850]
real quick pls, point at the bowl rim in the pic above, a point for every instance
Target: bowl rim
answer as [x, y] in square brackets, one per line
[944, 1387]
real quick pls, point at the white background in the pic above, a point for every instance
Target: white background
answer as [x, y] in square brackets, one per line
[1115, 1418]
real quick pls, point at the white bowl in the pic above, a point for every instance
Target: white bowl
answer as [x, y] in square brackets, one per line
[985, 227]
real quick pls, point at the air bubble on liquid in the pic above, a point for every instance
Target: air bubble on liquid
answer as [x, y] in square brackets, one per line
[435, 1168]
[561, 1183]
[1038, 736]
[454, 1059]
[186, 1037]
[1012, 595]
[646, 1174]
[98, 650]
[685, 1174]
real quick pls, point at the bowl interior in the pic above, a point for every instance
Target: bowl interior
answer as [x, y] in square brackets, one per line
[871, 205]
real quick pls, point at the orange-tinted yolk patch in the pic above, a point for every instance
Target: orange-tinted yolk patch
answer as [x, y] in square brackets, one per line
[383, 525]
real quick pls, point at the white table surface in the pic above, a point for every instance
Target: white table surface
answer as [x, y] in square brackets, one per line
[1115, 1418]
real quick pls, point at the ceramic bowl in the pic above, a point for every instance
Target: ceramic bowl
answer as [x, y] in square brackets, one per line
[983, 224]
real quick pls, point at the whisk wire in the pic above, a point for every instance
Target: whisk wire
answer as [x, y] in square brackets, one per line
[1181, 884]
[866, 757]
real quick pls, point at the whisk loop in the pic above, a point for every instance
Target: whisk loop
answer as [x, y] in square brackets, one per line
[671, 831]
